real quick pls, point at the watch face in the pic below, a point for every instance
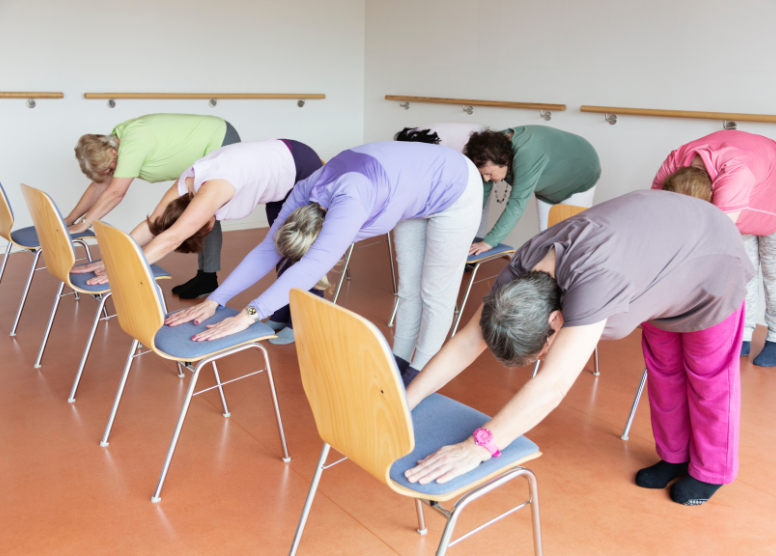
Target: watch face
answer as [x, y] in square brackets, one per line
[251, 311]
[483, 436]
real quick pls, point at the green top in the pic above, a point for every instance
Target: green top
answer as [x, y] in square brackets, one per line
[550, 163]
[159, 147]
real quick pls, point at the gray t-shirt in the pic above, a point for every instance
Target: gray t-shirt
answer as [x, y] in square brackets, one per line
[651, 255]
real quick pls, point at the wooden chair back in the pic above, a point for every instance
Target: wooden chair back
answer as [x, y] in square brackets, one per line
[351, 382]
[6, 215]
[559, 213]
[52, 233]
[132, 284]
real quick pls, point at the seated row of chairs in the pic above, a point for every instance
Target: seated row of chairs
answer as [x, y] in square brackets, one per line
[348, 373]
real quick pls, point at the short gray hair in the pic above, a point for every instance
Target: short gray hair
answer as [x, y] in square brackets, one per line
[515, 318]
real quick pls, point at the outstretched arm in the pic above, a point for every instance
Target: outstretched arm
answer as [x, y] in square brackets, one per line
[106, 202]
[141, 233]
[86, 201]
[565, 360]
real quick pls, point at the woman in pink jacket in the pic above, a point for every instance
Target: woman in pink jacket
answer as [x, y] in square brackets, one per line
[736, 171]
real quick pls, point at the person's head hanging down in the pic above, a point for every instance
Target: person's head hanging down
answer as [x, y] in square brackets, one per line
[690, 181]
[97, 155]
[298, 233]
[492, 154]
[417, 135]
[171, 214]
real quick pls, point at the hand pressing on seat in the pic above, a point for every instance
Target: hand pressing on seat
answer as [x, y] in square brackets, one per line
[448, 462]
[479, 247]
[197, 313]
[98, 267]
[226, 327]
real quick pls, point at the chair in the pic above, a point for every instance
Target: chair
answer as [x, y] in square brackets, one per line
[559, 213]
[60, 260]
[360, 409]
[346, 270]
[27, 240]
[141, 314]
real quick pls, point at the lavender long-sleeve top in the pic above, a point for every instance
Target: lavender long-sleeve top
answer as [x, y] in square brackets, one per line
[366, 191]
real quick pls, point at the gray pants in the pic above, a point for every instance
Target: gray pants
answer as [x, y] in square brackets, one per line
[762, 253]
[431, 253]
[209, 258]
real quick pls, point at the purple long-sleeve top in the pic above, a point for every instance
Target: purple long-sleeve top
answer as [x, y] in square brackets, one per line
[366, 191]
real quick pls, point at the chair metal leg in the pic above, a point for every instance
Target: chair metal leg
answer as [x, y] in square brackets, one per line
[181, 374]
[221, 391]
[33, 268]
[286, 457]
[182, 417]
[484, 489]
[393, 267]
[395, 310]
[87, 349]
[465, 298]
[5, 260]
[117, 401]
[536, 368]
[421, 520]
[596, 372]
[309, 502]
[50, 323]
[636, 399]
[344, 273]
[86, 248]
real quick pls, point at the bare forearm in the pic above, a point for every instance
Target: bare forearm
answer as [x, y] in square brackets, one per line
[161, 245]
[86, 201]
[142, 234]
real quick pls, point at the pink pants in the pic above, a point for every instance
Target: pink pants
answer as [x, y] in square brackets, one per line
[695, 396]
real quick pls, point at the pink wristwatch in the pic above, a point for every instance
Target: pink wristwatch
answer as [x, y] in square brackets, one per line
[484, 438]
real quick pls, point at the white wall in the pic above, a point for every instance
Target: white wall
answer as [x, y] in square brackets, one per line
[710, 55]
[79, 46]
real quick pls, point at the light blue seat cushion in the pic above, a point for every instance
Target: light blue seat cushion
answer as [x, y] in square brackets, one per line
[79, 280]
[500, 248]
[28, 237]
[440, 421]
[176, 340]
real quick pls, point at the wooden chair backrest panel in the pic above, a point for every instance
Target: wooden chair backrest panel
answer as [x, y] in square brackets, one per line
[6, 216]
[350, 380]
[52, 233]
[559, 213]
[132, 284]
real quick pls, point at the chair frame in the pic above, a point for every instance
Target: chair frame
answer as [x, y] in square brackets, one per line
[346, 269]
[6, 225]
[313, 317]
[141, 314]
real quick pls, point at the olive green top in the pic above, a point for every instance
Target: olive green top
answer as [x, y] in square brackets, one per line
[552, 164]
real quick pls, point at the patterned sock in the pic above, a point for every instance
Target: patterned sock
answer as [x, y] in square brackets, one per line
[745, 347]
[660, 474]
[692, 492]
[767, 357]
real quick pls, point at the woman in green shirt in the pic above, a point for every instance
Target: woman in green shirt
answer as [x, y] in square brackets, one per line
[555, 165]
[155, 148]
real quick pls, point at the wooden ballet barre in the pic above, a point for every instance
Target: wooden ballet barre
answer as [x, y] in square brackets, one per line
[725, 116]
[31, 95]
[473, 102]
[206, 96]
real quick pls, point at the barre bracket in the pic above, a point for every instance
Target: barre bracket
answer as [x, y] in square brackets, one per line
[729, 125]
[405, 105]
[546, 115]
[611, 119]
[111, 103]
[31, 103]
[468, 109]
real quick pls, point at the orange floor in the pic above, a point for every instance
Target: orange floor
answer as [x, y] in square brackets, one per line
[228, 492]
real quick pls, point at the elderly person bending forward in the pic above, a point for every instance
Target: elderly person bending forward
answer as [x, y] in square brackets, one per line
[428, 194]
[671, 263]
[736, 171]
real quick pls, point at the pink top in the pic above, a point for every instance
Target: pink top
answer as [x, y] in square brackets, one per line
[742, 167]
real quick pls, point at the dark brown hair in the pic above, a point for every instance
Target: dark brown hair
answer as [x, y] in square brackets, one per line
[489, 146]
[690, 181]
[194, 244]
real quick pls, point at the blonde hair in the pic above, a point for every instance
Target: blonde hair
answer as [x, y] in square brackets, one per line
[94, 155]
[298, 233]
[690, 181]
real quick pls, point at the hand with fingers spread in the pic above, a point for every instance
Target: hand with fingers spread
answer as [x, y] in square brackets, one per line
[479, 247]
[98, 267]
[101, 278]
[448, 462]
[197, 313]
[226, 327]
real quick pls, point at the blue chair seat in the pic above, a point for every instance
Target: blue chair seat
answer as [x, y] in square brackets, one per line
[500, 248]
[79, 279]
[28, 237]
[176, 340]
[439, 421]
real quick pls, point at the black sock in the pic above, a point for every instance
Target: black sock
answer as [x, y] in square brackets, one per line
[179, 288]
[745, 347]
[409, 375]
[692, 492]
[206, 283]
[660, 474]
[401, 364]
